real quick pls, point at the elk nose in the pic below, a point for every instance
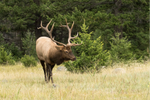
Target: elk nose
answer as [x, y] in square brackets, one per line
[74, 59]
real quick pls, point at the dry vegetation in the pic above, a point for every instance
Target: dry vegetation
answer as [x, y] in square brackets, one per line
[20, 83]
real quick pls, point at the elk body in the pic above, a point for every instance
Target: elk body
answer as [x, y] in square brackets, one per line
[50, 53]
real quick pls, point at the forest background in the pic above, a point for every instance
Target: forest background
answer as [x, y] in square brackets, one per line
[110, 30]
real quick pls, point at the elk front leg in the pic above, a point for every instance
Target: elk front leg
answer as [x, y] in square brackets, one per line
[52, 66]
[49, 73]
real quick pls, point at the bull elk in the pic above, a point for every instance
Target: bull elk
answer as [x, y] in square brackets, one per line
[50, 53]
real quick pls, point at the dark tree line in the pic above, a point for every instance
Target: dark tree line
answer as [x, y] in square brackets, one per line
[105, 18]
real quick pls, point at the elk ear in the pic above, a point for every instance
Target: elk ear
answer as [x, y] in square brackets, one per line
[59, 48]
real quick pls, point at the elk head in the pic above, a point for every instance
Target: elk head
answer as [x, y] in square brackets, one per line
[65, 49]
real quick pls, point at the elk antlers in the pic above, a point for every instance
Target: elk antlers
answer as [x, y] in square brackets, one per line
[50, 32]
[69, 30]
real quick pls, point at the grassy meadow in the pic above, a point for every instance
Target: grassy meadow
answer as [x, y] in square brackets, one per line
[20, 83]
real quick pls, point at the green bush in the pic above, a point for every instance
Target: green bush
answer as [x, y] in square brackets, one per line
[120, 49]
[29, 44]
[16, 53]
[90, 55]
[28, 61]
[5, 57]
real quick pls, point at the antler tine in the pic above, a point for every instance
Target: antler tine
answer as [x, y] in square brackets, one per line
[50, 33]
[66, 22]
[74, 36]
[70, 33]
[48, 24]
[72, 25]
[73, 44]
[44, 28]
[70, 30]
[41, 26]
[71, 38]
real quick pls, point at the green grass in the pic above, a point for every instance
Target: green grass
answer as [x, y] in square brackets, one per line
[20, 83]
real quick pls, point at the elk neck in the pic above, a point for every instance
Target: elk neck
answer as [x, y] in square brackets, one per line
[56, 56]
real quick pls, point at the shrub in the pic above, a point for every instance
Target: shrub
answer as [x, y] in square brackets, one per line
[29, 44]
[5, 57]
[28, 61]
[15, 51]
[120, 49]
[90, 55]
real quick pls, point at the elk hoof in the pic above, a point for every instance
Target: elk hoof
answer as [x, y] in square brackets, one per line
[54, 85]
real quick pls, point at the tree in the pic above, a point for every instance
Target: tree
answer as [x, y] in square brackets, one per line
[90, 55]
[120, 49]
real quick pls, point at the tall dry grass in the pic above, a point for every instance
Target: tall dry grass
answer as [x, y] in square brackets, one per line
[20, 83]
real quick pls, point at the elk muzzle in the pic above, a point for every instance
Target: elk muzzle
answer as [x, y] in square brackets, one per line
[73, 59]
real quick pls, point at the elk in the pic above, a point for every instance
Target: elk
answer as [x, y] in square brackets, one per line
[49, 53]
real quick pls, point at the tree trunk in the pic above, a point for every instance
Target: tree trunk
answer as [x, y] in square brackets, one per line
[118, 29]
[38, 32]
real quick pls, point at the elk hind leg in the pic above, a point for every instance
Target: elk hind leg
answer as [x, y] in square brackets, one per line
[48, 71]
[43, 65]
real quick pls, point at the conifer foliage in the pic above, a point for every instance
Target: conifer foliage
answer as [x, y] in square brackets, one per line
[90, 55]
